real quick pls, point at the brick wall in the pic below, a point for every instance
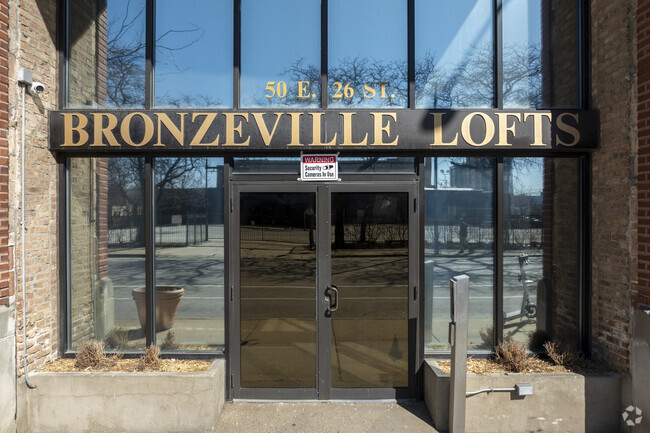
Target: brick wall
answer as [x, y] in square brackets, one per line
[88, 249]
[6, 288]
[641, 296]
[565, 278]
[87, 65]
[614, 190]
[561, 247]
[559, 53]
[83, 62]
[32, 37]
[82, 245]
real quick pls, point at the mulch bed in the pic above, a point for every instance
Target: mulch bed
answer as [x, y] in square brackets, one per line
[535, 365]
[131, 365]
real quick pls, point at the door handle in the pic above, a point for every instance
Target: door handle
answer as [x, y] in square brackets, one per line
[332, 293]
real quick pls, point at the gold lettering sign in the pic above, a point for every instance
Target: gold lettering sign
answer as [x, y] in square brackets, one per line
[504, 129]
[538, 126]
[104, 131]
[231, 128]
[380, 129]
[467, 132]
[362, 129]
[347, 131]
[203, 129]
[316, 131]
[70, 129]
[125, 129]
[573, 131]
[437, 132]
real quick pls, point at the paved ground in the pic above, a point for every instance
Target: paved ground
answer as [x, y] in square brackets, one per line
[324, 417]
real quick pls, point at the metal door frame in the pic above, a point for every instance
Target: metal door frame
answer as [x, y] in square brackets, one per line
[323, 192]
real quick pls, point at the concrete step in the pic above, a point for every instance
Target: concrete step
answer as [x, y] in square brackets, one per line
[324, 417]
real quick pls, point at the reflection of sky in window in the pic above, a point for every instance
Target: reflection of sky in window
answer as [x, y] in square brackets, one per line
[276, 35]
[194, 50]
[458, 36]
[373, 30]
[125, 57]
[522, 44]
[522, 21]
[526, 175]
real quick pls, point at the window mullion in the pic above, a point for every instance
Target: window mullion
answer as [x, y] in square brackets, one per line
[498, 54]
[149, 92]
[150, 277]
[498, 257]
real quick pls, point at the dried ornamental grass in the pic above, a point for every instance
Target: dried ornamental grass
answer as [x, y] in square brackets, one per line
[151, 359]
[512, 355]
[561, 354]
[91, 356]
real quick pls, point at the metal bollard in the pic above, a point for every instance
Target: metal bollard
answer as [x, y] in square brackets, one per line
[459, 294]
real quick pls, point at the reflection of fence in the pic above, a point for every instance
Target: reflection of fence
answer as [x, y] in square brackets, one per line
[182, 234]
[276, 234]
[369, 234]
[377, 234]
[167, 235]
[125, 237]
[477, 235]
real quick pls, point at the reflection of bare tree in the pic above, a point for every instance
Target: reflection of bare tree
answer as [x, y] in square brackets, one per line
[125, 59]
[187, 100]
[467, 84]
[471, 82]
[522, 75]
[360, 71]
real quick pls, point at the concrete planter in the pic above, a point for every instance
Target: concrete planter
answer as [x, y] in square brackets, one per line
[167, 300]
[561, 402]
[122, 402]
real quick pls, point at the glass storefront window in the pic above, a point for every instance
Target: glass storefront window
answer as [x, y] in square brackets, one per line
[454, 54]
[107, 268]
[459, 239]
[194, 53]
[189, 239]
[540, 53]
[367, 54]
[541, 250]
[107, 53]
[367, 49]
[280, 57]
[347, 164]
[376, 165]
[523, 235]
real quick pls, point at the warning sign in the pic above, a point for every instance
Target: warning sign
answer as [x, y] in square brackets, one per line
[319, 167]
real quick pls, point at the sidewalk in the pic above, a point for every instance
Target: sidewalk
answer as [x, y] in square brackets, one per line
[324, 417]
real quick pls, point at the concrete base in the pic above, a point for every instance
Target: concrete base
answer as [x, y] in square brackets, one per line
[119, 402]
[7, 372]
[560, 402]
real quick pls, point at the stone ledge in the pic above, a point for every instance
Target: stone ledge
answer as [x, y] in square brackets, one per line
[119, 402]
[561, 402]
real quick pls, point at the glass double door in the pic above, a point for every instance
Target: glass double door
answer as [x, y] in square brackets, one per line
[323, 276]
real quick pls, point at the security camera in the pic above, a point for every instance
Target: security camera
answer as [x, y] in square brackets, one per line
[37, 87]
